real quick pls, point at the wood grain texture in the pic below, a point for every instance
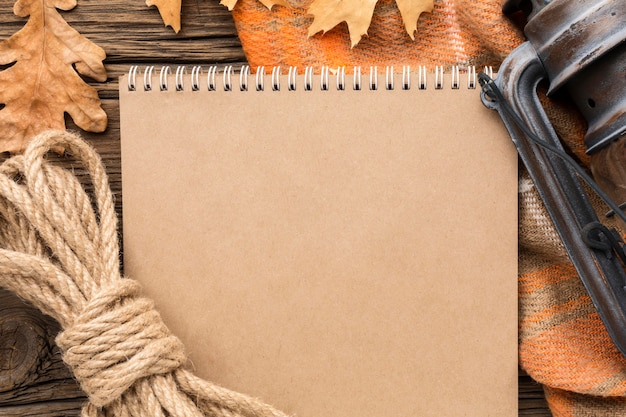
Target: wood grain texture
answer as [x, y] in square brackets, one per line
[33, 379]
[31, 370]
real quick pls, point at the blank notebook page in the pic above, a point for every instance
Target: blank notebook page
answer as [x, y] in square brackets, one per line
[339, 253]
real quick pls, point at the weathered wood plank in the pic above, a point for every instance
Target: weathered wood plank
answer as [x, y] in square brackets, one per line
[68, 408]
[532, 401]
[130, 31]
[31, 370]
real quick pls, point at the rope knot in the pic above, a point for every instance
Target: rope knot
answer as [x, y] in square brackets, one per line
[118, 339]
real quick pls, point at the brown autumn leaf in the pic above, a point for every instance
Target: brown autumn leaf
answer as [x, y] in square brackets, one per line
[169, 11]
[43, 82]
[410, 10]
[267, 3]
[358, 14]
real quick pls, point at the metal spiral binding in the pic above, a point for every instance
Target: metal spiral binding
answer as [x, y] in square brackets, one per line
[243, 78]
[291, 78]
[195, 81]
[227, 78]
[406, 77]
[341, 78]
[308, 79]
[421, 77]
[180, 83]
[356, 81]
[147, 78]
[438, 77]
[488, 71]
[210, 79]
[324, 79]
[276, 79]
[260, 76]
[456, 80]
[389, 76]
[195, 78]
[163, 78]
[132, 77]
[373, 78]
[471, 77]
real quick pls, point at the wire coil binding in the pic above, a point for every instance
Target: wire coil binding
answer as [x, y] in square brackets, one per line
[276, 79]
[291, 78]
[421, 77]
[260, 76]
[243, 78]
[324, 78]
[195, 78]
[196, 81]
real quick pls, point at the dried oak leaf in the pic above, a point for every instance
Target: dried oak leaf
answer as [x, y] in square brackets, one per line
[169, 11]
[358, 14]
[42, 83]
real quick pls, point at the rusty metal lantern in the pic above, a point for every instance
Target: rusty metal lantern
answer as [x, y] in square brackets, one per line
[579, 48]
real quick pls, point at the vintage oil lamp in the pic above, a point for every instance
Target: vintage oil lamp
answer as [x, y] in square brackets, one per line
[577, 47]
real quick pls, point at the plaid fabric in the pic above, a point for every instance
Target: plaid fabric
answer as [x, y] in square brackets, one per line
[562, 342]
[447, 36]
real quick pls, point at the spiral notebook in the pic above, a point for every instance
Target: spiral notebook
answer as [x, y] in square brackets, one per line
[338, 245]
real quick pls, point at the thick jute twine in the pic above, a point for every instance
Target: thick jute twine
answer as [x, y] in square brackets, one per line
[59, 251]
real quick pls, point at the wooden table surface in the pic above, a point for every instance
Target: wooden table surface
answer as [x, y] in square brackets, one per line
[33, 379]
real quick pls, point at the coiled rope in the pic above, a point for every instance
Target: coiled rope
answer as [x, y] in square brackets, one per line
[59, 251]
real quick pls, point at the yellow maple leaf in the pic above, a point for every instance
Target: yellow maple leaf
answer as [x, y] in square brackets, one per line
[43, 82]
[358, 15]
[169, 11]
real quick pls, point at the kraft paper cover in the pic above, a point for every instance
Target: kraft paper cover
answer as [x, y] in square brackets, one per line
[334, 253]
